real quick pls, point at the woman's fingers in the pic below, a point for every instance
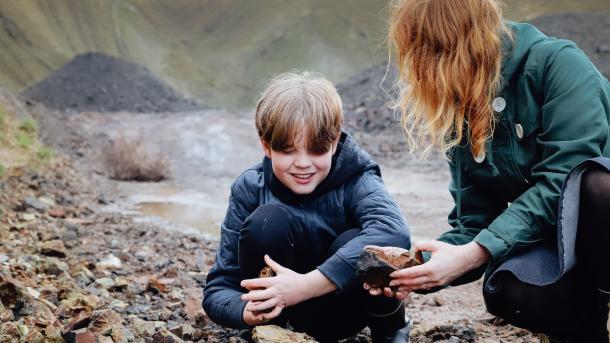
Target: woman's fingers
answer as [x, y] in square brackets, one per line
[388, 292]
[253, 284]
[430, 246]
[258, 295]
[412, 272]
[415, 283]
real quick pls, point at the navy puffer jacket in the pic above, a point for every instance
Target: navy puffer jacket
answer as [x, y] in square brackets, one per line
[352, 196]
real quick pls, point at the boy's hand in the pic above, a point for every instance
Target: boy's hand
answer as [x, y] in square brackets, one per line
[286, 289]
[387, 291]
[256, 318]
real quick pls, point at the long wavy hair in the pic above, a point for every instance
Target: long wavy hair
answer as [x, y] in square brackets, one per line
[448, 55]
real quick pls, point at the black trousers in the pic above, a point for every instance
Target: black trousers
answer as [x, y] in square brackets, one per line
[273, 230]
[576, 307]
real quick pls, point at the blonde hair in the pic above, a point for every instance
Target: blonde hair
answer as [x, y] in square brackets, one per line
[449, 55]
[299, 103]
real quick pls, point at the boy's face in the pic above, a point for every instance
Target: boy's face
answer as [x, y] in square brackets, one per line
[298, 169]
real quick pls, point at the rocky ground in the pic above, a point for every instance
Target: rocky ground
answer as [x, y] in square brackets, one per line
[70, 271]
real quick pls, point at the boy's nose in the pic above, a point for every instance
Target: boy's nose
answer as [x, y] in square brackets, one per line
[302, 162]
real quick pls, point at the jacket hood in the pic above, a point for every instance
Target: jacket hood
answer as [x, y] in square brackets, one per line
[517, 50]
[348, 161]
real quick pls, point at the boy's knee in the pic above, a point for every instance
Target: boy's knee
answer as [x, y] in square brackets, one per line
[269, 223]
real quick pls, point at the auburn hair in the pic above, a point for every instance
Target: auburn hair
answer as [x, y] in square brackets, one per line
[297, 104]
[448, 56]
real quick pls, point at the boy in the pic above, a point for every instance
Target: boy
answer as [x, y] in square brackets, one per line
[306, 211]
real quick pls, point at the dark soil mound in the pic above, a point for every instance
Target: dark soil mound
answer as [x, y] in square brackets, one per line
[98, 82]
[368, 102]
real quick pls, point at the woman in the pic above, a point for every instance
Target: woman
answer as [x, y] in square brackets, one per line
[515, 111]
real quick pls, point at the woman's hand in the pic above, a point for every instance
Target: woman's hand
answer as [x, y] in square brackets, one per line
[447, 263]
[286, 289]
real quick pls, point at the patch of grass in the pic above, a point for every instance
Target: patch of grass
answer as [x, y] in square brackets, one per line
[2, 117]
[24, 140]
[28, 125]
[44, 153]
[2, 169]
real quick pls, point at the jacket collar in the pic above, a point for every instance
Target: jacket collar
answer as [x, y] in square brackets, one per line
[517, 49]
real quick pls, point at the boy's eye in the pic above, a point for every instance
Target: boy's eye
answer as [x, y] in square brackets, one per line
[288, 151]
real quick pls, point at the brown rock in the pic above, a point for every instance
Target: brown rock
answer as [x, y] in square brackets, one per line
[6, 315]
[33, 336]
[103, 321]
[57, 212]
[80, 336]
[184, 331]
[9, 291]
[53, 334]
[158, 285]
[79, 321]
[164, 336]
[275, 334]
[266, 272]
[192, 306]
[377, 263]
[53, 248]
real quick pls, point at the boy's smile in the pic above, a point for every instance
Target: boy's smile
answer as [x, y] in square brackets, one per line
[297, 168]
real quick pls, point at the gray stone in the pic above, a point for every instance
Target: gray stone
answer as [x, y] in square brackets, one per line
[36, 204]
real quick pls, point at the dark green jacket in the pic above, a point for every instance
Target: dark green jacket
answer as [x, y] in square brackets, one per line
[553, 113]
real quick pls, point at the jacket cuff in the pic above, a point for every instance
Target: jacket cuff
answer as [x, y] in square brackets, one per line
[338, 271]
[496, 246]
[235, 314]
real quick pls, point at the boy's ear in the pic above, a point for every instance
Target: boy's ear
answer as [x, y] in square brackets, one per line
[335, 144]
[266, 148]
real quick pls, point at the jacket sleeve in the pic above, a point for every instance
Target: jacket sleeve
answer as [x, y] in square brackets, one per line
[221, 295]
[473, 212]
[573, 127]
[382, 224]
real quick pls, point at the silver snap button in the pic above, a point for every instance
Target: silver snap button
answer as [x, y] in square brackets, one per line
[499, 104]
[519, 130]
[480, 157]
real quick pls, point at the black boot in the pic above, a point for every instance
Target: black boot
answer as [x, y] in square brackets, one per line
[596, 330]
[390, 328]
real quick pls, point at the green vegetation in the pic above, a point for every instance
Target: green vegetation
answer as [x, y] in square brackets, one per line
[28, 125]
[44, 153]
[24, 140]
[2, 169]
[2, 117]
